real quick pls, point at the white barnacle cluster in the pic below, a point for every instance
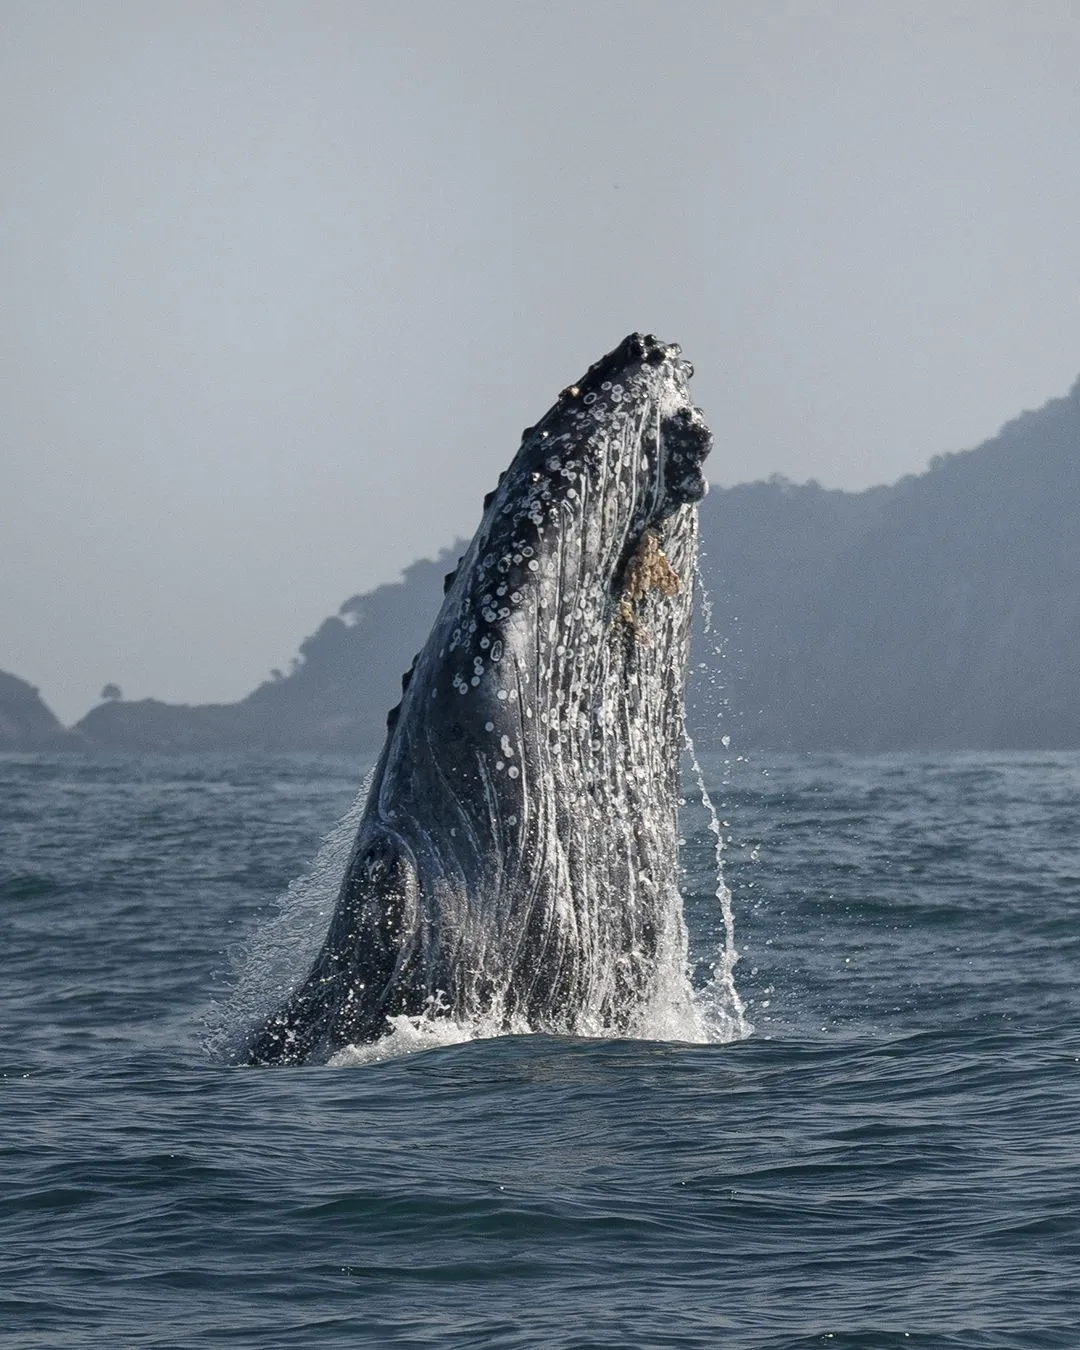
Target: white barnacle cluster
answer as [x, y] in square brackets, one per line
[507, 754]
[508, 571]
[604, 403]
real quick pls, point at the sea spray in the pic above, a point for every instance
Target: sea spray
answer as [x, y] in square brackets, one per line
[287, 938]
[284, 944]
[720, 1001]
[719, 998]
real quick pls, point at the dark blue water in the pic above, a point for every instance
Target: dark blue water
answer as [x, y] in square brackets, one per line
[892, 1159]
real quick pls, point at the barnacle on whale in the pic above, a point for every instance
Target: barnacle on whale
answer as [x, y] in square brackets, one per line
[648, 569]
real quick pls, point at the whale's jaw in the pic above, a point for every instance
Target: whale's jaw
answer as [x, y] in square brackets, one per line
[517, 859]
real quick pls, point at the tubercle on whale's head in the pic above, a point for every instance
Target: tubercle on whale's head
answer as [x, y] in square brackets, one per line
[684, 437]
[618, 454]
[627, 431]
[686, 440]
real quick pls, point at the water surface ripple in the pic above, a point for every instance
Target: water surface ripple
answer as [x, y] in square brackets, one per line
[889, 1160]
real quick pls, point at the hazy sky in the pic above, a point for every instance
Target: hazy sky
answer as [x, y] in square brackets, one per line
[280, 283]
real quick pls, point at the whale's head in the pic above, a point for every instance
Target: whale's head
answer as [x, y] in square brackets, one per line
[590, 527]
[628, 431]
[611, 464]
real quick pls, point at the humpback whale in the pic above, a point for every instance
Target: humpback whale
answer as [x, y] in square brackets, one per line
[517, 857]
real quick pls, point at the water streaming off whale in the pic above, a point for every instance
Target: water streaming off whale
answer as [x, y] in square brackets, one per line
[515, 866]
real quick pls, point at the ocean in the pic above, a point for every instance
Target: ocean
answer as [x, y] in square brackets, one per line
[890, 1158]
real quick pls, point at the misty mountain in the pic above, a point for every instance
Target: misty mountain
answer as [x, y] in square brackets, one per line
[25, 722]
[345, 679]
[940, 612]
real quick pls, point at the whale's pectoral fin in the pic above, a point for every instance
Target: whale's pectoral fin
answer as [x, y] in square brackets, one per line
[361, 970]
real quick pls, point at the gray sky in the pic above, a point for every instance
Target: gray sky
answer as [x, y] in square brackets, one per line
[280, 283]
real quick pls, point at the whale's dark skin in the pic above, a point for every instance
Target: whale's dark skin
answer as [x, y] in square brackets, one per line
[517, 857]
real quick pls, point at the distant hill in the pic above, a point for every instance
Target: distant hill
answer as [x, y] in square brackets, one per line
[25, 722]
[336, 697]
[940, 612]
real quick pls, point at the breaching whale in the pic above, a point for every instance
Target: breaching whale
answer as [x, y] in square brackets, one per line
[517, 857]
